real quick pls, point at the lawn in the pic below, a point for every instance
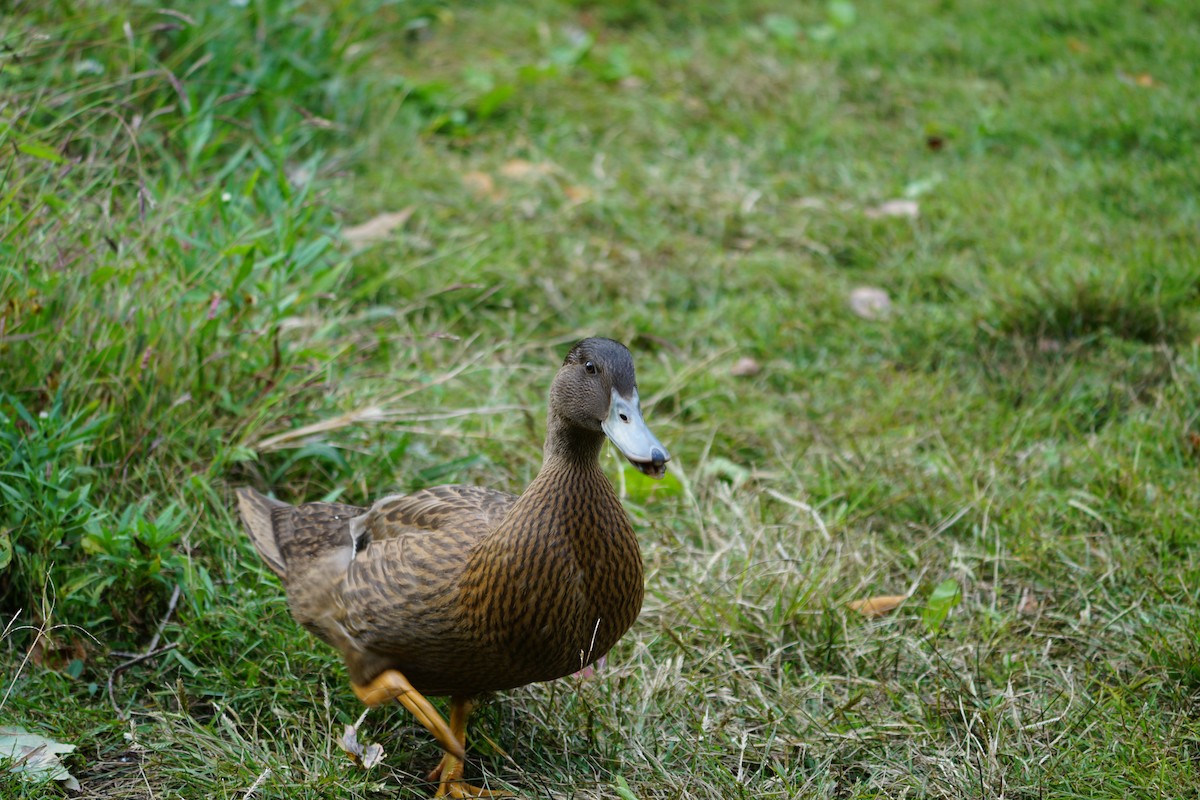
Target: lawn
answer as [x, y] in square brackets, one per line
[336, 249]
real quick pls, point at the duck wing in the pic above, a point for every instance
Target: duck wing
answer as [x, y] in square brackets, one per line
[294, 540]
[469, 510]
[380, 584]
[399, 602]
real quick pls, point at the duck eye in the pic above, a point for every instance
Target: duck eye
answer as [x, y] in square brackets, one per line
[590, 367]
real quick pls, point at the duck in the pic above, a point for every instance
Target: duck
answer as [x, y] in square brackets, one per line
[462, 590]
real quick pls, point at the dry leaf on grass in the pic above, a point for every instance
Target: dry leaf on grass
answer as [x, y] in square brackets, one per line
[481, 185]
[877, 606]
[909, 209]
[745, 367]
[870, 302]
[577, 194]
[1049, 346]
[1029, 605]
[522, 170]
[365, 757]
[377, 228]
[35, 758]
[1143, 80]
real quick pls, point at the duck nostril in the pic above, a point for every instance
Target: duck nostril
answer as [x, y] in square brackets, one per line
[624, 418]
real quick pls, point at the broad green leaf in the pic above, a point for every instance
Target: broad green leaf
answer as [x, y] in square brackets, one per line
[946, 595]
[32, 147]
[623, 790]
[842, 13]
[641, 488]
[492, 100]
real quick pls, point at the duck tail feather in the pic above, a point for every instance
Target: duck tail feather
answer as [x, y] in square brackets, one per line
[256, 513]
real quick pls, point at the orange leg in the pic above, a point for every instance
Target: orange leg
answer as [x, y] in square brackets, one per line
[390, 685]
[449, 772]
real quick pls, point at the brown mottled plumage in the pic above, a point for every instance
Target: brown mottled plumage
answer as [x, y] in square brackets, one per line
[458, 590]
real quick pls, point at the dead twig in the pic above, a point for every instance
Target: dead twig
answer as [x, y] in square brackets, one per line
[370, 415]
[117, 670]
[162, 623]
[152, 651]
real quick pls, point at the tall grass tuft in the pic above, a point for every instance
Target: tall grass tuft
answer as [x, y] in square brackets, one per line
[162, 220]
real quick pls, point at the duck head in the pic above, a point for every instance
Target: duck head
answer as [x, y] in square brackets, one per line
[596, 390]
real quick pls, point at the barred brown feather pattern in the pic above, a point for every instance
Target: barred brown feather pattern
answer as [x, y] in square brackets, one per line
[465, 589]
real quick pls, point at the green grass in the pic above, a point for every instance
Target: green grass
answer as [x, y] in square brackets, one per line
[1019, 435]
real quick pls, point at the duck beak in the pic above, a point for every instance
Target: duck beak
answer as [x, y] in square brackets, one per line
[627, 430]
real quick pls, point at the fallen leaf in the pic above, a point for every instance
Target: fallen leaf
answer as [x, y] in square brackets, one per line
[35, 757]
[577, 194]
[909, 209]
[365, 757]
[870, 302]
[877, 606]
[1142, 79]
[921, 186]
[1029, 604]
[299, 176]
[1049, 345]
[522, 170]
[377, 228]
[745, 367]
[481, 185]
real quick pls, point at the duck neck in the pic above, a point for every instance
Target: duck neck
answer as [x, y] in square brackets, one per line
[570, 447]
